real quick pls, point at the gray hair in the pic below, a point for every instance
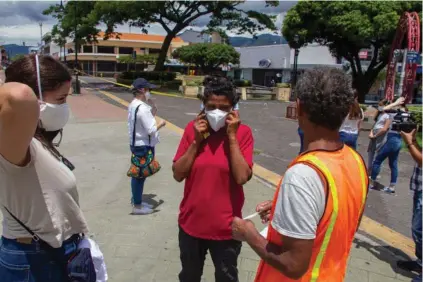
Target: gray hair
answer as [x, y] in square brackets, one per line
[326, 96]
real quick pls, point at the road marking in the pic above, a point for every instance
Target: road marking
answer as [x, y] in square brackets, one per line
[368, 225]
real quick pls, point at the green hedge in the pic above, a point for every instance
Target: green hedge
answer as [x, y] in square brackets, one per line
[194, 83]
[242, 83]
[283, 85]
[174, 84]
[149, 75]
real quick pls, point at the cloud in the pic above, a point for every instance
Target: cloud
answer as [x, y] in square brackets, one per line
[19, 20]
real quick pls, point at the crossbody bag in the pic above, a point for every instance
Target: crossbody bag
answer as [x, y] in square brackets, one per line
[145, 164]
[79, 267]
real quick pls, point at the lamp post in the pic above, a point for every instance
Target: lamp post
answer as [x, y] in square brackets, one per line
[77, 89]
[295, 70]
[291, 110]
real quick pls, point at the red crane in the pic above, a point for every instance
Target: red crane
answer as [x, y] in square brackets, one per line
[408, 29]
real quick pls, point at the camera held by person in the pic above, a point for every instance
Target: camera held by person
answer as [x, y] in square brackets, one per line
[403, 121]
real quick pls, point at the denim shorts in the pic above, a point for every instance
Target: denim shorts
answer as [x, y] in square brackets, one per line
[31, 263]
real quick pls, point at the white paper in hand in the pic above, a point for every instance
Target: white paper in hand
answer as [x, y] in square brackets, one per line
[264, 232]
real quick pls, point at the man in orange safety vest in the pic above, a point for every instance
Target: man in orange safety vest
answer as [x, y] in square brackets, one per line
[318, 205]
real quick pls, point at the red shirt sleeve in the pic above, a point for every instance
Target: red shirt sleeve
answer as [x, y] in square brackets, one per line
[185, 142]
[246, 145]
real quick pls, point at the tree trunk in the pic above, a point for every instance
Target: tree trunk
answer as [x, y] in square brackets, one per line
[163, 52]
[362, 82]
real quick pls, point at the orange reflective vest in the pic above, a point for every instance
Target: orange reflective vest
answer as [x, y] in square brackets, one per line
[347, 182]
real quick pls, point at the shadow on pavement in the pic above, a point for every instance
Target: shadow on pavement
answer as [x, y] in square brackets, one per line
[386, 254]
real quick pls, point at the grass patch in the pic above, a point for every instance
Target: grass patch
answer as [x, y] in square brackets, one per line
[419, 141]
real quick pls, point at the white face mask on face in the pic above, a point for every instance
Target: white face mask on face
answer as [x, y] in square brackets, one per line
[147, 95]
[53, 116]
[216, 118]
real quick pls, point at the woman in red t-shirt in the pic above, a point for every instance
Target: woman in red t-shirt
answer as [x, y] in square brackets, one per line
[215, 158]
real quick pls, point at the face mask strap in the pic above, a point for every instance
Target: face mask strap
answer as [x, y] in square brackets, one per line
[37, 66]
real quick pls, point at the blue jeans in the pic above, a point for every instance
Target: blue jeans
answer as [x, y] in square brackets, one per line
[137, 184]
[301, 134]
[31, 263]
[416, 224]
[349, 139]
[390, 150]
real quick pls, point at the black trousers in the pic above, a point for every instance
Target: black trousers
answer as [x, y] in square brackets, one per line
[193, 253]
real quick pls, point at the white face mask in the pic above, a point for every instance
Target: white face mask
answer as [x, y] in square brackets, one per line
[53, 116]
[216, 118]
[147, 95]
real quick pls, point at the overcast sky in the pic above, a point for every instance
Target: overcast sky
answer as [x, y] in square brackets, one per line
[19, 20]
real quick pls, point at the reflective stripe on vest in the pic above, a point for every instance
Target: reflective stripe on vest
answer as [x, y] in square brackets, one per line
[317, 159]
[332, 190]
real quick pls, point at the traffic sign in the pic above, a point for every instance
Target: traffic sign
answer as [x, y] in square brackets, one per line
[412, 56]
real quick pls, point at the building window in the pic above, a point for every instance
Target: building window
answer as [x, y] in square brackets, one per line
[87, 49]
[153, 51]
[106, 49]
[105, 66]
[126, 50]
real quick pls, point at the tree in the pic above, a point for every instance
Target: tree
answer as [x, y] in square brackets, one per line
[17, 57]
[348, 27]
[207, 56]
[173, 16]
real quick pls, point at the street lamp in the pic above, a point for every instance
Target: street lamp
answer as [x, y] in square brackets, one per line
[291, 110]
[77, 89]
[295, 71]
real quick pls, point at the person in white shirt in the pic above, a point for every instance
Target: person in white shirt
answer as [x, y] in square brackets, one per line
[351, 126]
[143, 135]
[378, 133]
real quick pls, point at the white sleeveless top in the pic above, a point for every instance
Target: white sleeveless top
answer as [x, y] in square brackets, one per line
[43, 196]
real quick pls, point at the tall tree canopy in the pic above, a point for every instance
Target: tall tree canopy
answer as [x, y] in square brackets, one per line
[207, 56]
[348, 27]
[173, 16]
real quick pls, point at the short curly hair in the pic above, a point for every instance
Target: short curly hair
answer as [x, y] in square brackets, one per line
[220, 86]
[326, 96]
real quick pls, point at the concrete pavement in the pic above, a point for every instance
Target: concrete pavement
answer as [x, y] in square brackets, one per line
[277, 143]
[145, 248]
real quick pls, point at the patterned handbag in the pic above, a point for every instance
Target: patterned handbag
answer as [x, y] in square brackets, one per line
[145, 164]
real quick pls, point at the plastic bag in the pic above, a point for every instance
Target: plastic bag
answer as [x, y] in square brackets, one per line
[98, 258]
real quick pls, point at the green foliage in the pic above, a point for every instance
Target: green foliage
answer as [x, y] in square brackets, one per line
[363, 107]
[194, 83]
[416, 112]
[173, 16]
[346, 28]
[173, 84]
[207, 56]
[140, 59]
[242, 83]
[17, 57]
[148, 75]
[283, 85]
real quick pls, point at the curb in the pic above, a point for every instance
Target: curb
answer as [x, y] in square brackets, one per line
[271, 179]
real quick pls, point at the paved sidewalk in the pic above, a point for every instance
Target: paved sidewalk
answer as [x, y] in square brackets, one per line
[145, 248]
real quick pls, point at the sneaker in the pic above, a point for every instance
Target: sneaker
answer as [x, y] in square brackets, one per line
[389, 190]
[141, 211]
[409, 265]
[144, 204]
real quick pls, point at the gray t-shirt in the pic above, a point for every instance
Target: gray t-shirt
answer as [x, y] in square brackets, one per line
[43, 196]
